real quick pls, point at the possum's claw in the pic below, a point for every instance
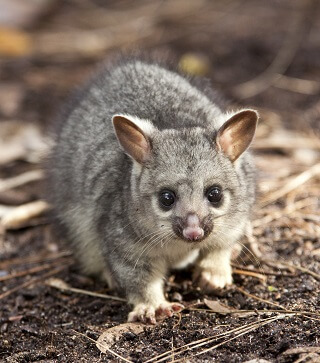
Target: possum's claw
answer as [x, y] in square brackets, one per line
[167, 309]
[149, 315]
[144, 313]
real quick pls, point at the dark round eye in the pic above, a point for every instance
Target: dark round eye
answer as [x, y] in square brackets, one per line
[214, 195]
[167, 198]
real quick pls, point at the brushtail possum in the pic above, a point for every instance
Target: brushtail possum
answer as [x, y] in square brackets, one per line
[148, 171]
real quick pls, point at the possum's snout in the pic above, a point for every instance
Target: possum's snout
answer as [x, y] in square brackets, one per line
[192, 228]
[193, 231]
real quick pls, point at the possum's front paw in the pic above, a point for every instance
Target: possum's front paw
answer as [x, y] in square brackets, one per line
[149, 314]
[211, 279]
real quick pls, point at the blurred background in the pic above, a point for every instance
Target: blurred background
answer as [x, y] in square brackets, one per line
[260, 54]
[48, 47]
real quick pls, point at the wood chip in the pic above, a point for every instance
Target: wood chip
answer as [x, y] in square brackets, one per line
[19, 217]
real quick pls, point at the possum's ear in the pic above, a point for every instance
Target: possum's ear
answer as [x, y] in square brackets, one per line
[236, 134]
[133, 135]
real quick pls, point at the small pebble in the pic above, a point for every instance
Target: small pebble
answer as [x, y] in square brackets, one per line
[177, 297]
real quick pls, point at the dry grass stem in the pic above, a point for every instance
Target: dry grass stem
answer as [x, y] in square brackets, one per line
[34, 281]
[260, 271]
[31, 271]
[42, 257]
[65, 287]
[259, 276]
[243, 332]
[273, 215]
[299, 85]
[106, 348]
[19, 180]
[189, 346]
[198, 343]
[257, 311]
[293, 184]
[299, 268]
[259, 298]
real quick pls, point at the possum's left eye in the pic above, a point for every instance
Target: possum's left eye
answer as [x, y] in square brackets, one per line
[167, 199]
[214, 195]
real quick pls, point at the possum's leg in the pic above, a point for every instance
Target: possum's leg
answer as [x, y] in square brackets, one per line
[213, 269]
[143, 285]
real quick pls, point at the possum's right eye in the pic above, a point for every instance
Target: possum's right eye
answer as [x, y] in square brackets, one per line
[166, 199]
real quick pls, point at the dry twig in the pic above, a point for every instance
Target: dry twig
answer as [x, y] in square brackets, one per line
[19, 216]
[33, 281]
[257, 275]
[19, 180]
[61, 285]
[295, 267]
[30, 271]
[259, 298]
[34, 259]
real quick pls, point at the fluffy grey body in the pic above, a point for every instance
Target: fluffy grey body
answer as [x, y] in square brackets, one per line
[138, 131]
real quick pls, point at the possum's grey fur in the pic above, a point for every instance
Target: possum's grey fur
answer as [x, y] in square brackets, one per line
[108, 201]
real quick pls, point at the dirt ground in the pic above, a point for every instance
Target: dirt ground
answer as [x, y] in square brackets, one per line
[271, 311]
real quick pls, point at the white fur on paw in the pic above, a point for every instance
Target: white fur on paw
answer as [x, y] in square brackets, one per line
[144, 313]
[210, 279]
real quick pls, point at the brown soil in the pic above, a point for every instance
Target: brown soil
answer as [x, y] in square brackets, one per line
[238, 40]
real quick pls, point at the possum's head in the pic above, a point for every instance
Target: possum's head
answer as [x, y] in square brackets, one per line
[188, 184]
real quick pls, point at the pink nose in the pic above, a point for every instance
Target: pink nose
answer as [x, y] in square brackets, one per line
[193, 231]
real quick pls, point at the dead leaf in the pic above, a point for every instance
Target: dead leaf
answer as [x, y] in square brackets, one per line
[219, 308]
[112, 335]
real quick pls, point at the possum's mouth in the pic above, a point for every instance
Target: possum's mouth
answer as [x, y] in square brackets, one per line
[192, 234]
[193, 240]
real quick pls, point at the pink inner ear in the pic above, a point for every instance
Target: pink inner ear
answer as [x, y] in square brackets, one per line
[132, 139]
[235, 136]
[225, 142]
